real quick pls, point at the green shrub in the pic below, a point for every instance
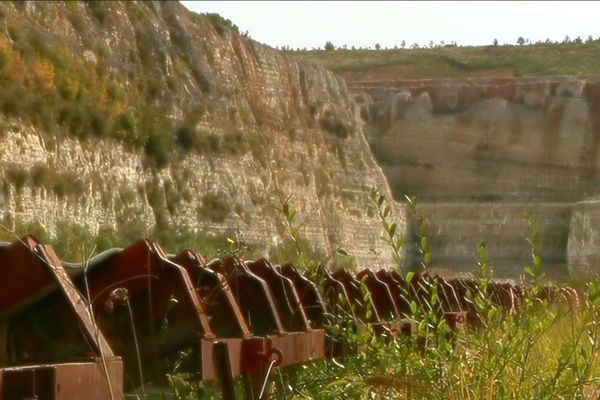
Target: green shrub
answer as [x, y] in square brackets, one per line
[547, 351]
[234, 143]
[221, 24]
[126, 123]
[158, 149]
[17, 176]
[215, 207]
[207, 143]
[65, 184]
[185, 138]
[334, 125]
[20, 229]
[99, 122]
[99, 10]
[39, 174]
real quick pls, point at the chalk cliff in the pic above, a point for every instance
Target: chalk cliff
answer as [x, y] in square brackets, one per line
[117, 114]
[486, 138]
[482, 153]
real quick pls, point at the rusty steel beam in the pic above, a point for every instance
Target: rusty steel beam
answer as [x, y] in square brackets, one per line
[252, 295]
[287, 301]
[66, 381]
[353, 289]
[214, 292]
[51, 329]
[381, 295]
[149, 310]
[226, 320]
[262, 292]
[254, 335]
[397, 289]
[308, 293]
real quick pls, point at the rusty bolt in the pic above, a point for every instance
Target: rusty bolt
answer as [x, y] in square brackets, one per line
[117, 297]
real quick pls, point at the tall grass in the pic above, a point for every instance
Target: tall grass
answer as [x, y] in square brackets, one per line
[547, 351]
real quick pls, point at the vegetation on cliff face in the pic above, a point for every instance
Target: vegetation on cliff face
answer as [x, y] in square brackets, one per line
[456, 62]
[74, 88]
[119, 114]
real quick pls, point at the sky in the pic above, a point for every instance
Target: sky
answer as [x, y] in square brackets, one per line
[310, 24]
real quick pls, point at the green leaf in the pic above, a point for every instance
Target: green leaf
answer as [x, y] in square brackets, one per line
[373, 194]
[427, 258]
[343, 252]
[292, 215]
[399, 242]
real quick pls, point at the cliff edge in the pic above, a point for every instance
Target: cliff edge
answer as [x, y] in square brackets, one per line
[117, 115]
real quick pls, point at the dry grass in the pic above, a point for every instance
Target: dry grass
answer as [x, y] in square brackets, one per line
[533, 60]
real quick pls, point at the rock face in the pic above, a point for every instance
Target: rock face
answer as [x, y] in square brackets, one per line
[481, 152]
[456, 229]
[584, 238]
[193, 127]
[487, 139]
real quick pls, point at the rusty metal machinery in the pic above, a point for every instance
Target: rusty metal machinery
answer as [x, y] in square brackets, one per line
[61, 324]
[50, 345]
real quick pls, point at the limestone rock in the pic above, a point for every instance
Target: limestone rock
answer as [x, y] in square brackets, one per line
[570, 88]
[445, 97]
[481, 152]
[234, 115]
[420, 110]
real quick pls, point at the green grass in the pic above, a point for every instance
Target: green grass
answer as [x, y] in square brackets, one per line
[455, 62]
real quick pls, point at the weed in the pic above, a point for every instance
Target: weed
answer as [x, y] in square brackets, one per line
[215, 207]
[543, 352]
[392, 237]
[17, 176]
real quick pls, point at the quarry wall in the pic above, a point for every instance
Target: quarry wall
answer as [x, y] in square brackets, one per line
[481, 153]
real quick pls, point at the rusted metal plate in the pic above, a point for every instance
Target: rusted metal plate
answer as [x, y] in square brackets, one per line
[317, 349]
[299, 347]
[353, 289]
[138, 287]
[187, 290]
[24, 279]
[214, 293]
[99, 380]
[310, 298]
[380, 294]
[456, 320]
[252, 355]
[75, 300]
[209, 361]
[252, 295]
[287, 301]
[49, 300]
